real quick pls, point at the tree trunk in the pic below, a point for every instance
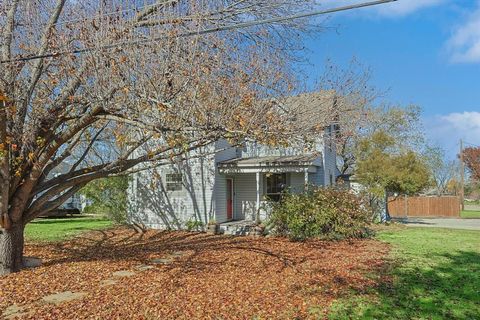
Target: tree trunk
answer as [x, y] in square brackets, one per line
[11, 249]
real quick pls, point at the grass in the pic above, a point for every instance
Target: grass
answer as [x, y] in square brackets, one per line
[57, 229]
[469, 214]
[475, 202]
[435, 274]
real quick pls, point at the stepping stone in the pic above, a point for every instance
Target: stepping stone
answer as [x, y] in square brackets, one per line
[178, 253]
[108, 282]
[32, 262]
[124, 273]
[161, 261]
[143, 267]
[66, 296]
[14, 311]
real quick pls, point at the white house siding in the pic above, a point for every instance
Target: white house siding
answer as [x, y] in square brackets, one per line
[158, 208]
[297, 182]
[330, 159]
[317, 178]
[254, 149]
[245, 188]
[225, 152]
[204, 192]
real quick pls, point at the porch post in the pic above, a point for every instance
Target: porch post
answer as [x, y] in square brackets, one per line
[257, 206]
[306, 177]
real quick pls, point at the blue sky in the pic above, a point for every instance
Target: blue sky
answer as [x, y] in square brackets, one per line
[423, 52]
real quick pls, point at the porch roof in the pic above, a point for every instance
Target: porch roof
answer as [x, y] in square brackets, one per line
[281, 163]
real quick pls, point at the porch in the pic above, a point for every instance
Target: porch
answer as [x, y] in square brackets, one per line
[238, 227]
[251, 184]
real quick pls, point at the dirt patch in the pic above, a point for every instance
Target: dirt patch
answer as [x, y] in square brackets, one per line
[207, 277]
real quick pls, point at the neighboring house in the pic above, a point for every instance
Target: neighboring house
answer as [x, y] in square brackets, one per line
[232, 183]
[75, 204]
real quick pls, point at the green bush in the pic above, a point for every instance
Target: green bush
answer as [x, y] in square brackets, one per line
[320, 213]
[107, 196]
[194, 225]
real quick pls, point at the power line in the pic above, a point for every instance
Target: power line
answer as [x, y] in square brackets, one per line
[202, 32]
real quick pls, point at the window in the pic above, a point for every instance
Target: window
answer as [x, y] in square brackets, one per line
[276, 183]
[174, 181]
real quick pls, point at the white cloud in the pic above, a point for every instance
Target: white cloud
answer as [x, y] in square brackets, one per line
[464, 44]
[447, 130]
[468, 122]
[405, 7]
[399, 8]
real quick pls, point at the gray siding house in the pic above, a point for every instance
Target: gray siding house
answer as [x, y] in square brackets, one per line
[228, 183]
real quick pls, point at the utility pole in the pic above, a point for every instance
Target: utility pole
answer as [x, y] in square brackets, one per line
[462, 176]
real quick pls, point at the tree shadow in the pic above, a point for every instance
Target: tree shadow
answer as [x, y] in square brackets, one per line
[113, 246]
[447, 290]
[65, 220]
[155, 206]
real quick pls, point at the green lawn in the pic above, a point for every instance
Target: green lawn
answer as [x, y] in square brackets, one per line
[56, 229]
[436, 275]
[467, 214]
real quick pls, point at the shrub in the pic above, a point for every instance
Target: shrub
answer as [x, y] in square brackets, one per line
[107, 196]
[194, 225]
[320, 213]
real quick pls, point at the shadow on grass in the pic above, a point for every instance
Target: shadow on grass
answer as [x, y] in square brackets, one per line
[447, 290]
[65, 220]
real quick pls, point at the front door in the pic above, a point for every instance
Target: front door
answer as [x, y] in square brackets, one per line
[229, 199]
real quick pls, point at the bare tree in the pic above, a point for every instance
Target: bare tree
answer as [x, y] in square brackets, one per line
[442, 170]
[353, 112]
[113, 86]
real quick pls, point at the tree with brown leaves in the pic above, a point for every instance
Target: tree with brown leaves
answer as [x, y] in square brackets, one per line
[471, 158]
[106, 88]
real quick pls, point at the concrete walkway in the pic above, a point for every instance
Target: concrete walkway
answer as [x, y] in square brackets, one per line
[466, 224]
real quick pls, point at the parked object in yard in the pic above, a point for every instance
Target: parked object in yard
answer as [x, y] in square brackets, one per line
[62, 213]
[68, 208]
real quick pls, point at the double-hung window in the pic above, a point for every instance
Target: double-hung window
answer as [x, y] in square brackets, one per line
[173, 182]
[275, 183]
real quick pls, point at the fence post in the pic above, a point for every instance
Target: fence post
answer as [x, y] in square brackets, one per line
[428, 206]
[405, 197]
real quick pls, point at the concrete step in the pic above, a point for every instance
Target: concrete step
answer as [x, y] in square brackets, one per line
[238, 228]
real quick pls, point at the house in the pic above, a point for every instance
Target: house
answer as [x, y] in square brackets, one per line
[74, 204]
[232, 183]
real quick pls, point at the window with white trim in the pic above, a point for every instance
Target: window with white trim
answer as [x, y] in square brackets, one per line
[275, 184]
[173, 181]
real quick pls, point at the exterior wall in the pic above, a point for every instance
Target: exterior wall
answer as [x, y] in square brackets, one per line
[254, 149]
[245, 188]
[297, 182]
[225, 152]
[329, 158]
[156, 207]
[204, 195]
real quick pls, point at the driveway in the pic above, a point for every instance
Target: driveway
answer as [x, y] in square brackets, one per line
[466, 224]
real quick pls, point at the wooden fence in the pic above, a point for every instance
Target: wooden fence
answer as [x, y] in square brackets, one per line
[403, 206]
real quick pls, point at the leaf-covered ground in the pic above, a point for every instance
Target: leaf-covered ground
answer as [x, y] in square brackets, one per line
[187, 275]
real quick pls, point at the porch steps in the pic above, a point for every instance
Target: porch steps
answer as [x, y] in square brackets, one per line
[238, 228]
